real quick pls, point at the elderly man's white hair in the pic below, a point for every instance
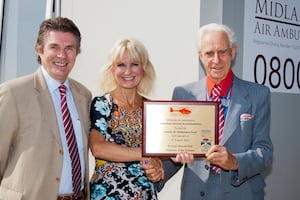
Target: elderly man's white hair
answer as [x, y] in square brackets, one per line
[216, 27]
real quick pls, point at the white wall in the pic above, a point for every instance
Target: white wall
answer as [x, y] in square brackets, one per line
[168, 30]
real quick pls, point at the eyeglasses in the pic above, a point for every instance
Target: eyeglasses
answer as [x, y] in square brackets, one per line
[220, 53]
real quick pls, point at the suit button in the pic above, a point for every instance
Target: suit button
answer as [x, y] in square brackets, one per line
[206, 167]
[61, 152]
[202, 194]
[57, 179]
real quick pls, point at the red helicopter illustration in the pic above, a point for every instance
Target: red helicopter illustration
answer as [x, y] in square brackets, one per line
[183, 111]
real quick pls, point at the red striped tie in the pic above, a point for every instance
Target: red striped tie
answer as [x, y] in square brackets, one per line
[216, 93]
[72, 144]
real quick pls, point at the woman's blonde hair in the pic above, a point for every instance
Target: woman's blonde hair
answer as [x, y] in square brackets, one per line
[137, 53]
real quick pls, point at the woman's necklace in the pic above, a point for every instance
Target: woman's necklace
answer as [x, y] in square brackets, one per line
[126, 103]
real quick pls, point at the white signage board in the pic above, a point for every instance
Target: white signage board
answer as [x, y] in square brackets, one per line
[272, 44]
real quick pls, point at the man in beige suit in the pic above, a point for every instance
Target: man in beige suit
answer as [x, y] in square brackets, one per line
[35, 161]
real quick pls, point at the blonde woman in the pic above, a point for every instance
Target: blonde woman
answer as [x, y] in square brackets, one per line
[116, 126]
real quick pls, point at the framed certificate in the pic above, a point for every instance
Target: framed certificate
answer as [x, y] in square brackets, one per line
[170, 127]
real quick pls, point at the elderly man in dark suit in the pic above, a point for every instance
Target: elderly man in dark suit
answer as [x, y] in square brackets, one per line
[232, 169]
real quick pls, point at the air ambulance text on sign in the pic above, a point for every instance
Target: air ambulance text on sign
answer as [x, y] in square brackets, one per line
[272, 44]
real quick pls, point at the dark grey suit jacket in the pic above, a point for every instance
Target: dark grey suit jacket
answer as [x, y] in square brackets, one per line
[248, 140]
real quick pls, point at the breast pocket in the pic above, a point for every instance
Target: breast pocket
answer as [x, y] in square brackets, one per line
[246, 125]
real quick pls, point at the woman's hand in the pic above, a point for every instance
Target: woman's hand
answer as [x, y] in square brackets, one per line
[153, 168]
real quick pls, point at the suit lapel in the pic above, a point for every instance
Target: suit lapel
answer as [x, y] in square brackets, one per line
[199, 90]
[239, 104]
[80, 104]
[46, 105]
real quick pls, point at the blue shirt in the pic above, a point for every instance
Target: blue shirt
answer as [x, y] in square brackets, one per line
[65, 186]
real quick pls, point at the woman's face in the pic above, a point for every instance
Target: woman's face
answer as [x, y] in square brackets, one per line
[127, 74]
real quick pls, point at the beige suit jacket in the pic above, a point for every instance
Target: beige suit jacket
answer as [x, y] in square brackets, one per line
[31, 155]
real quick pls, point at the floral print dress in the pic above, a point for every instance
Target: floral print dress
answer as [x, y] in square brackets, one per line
[113, 180]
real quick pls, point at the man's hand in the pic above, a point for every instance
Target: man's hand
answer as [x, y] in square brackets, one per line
[183, 157]
[219, 155]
